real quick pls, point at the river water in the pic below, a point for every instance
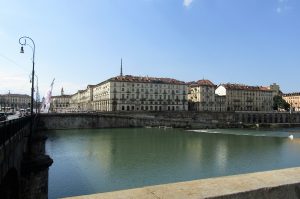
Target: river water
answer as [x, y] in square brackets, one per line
[100, 160]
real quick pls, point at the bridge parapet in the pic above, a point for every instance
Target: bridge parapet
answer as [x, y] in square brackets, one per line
[10, 128]
[13, 135]
[23, 172]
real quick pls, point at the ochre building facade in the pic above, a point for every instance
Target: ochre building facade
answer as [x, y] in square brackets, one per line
[293, 99]
[201, 95]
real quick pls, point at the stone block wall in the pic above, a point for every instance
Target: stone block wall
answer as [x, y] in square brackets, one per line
[180, 119]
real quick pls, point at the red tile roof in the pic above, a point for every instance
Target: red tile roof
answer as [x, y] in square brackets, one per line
[231, 86]
[202, 82]
[130, 78]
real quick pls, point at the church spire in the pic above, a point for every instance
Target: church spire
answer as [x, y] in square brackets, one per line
[62, 91]
[121, 74]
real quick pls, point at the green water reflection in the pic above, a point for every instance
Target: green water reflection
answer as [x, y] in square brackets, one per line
[100, 160]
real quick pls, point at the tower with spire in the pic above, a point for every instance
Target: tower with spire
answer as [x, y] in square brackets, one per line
[121, 73]
[62, 91]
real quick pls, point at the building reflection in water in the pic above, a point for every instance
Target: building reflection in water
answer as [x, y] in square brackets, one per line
[221, 155]
[101, 160]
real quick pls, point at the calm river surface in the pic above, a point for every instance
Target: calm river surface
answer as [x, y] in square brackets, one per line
[100, 160]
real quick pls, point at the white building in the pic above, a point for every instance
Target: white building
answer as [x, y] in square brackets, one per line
[133, 93]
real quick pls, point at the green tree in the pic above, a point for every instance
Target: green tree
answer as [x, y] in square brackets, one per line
[280, 103]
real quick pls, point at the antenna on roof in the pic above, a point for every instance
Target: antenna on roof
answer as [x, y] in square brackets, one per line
[121, 73]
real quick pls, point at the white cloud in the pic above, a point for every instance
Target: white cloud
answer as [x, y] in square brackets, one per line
[187, 3]
[278, 9]
[282, 6]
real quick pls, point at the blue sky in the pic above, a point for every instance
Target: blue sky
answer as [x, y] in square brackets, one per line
[254, 42]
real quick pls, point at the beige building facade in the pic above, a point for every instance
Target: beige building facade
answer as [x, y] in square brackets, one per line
[246, 98]
[201, 95]
[85, 98]
[293, 99]
[134, 93]
[74, 102]
[60, 103]
[220, 103]
[14, 102]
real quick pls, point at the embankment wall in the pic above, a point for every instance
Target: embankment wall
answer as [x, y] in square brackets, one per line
[182, 119]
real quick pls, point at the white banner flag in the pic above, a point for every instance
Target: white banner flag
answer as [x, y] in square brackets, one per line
[47, 100]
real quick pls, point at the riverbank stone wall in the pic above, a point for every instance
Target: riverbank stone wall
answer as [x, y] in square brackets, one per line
[180, 119]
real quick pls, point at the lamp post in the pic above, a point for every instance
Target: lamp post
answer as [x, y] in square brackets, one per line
[23, 42]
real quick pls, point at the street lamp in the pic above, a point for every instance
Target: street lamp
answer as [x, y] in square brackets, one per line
[23, 42]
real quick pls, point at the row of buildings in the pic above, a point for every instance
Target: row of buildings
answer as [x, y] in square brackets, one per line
[137, 93]
[11, 102]
[205, 96]
[127, 93]
[132, 93]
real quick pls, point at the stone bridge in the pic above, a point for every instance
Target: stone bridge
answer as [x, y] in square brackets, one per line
[23, 165]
